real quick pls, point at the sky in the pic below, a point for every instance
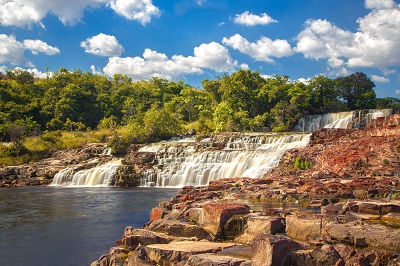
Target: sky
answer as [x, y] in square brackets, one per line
[193, 40]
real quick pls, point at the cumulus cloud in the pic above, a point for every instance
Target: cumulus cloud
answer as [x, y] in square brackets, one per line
[250, 19]
[140, 10]
[25, 13]
[38, 46]
[380, 4]
[262, 50]
[206, 56]
[375, 44]
[103, 45]
[12, 51]
[379, 79]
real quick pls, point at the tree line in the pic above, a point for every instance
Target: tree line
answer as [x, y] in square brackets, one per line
[143, 111]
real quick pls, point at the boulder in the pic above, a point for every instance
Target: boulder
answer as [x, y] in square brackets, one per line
[257, 225]
[180, 251]
[156, 214]
[306, 226]
[273, 250]
[216, 259]
[133, 237]
[216, 214]
[178, 229]
[365, 235]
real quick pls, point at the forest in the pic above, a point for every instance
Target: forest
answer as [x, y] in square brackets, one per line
[156, 109]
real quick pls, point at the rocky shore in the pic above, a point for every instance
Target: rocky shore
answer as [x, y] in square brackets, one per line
[343, 208]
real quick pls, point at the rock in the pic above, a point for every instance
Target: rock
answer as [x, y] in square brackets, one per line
[156, 214]
[257, 225]
[216, 259]
[306, 226]
[325, 255]
[270, 250]
[178, 229]
[365, 235]
[167, 254]
[133, 237]
[216, 214]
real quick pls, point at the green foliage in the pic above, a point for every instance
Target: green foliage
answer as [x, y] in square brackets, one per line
[356, 91]
[51, 136]
[142, 111]
[301, 164]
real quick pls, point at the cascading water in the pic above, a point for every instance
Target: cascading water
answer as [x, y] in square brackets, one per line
[101, 175]
[251, 156]
[338, 120]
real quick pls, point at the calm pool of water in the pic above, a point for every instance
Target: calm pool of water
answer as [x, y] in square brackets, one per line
[69, 226]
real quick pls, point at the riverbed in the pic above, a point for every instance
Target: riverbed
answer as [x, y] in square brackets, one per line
[69, 225]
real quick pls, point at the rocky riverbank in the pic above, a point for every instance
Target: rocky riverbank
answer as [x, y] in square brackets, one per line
[338, 204]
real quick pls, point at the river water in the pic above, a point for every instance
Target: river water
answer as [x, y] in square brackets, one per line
[48, 226]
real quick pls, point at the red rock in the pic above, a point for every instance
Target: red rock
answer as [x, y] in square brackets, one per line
[216, 214]
[270, 250]
[156, 214]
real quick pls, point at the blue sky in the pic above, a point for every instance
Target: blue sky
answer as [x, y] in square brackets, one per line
[192, 40]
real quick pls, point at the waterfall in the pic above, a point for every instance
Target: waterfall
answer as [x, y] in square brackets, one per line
[311, 123]
[249, 156]
[101, 175]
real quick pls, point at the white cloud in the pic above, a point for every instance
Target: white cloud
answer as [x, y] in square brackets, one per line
[375, 44]
[206, 56]
[39, 74]
[397, 91]
[102, 44]
[250, 19]
[12, 51]
[3, 69]
[95, 71]
[140, 10]
[25, 13]
[379, 4]
[262, 50]
[379, 79]
[387, 72]
[305, 81]
[38, 46]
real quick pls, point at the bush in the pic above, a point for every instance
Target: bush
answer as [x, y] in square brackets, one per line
[52, 136]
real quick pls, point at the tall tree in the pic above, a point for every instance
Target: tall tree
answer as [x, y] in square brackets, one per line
[356, 91]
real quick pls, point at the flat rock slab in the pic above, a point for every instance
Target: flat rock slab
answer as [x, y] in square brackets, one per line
[216, 260]
[192, 246]
[182, 250]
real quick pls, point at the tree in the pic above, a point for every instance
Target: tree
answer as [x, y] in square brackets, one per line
[324, 97]
[18, 131]
[388, 102]
[356, 91]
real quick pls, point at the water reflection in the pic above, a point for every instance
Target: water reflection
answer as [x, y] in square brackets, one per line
[69, 226]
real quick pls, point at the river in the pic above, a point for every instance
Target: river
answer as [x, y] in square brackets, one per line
[47, 226]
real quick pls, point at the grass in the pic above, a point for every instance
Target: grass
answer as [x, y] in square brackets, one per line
[37, 148]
